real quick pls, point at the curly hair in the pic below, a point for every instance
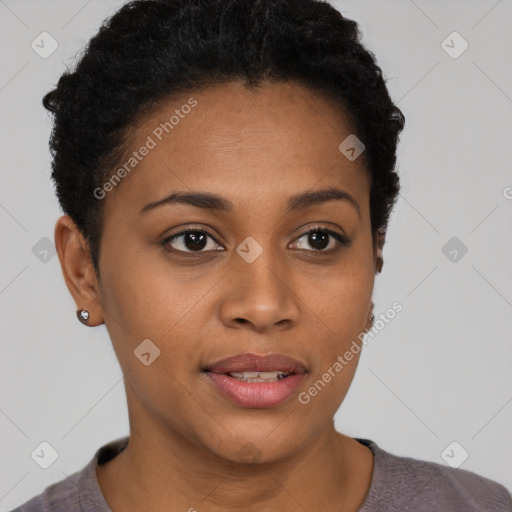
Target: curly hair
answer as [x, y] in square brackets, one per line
[150, 50]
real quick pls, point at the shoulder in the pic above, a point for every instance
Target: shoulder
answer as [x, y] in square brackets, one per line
[80, 491]
[60, 496]
[451, 488]
[422, 486]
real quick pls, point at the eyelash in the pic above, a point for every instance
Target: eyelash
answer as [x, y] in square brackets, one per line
[342, 240]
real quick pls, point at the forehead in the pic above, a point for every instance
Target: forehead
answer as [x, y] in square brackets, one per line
[247, 144]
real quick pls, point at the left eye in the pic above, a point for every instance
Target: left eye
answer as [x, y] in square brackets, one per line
[322, 240]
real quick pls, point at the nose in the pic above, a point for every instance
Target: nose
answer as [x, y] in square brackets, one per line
[260, 295]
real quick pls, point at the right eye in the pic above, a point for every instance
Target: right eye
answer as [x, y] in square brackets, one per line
[191, 241]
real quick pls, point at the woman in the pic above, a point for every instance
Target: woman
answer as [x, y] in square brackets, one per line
[227, 173]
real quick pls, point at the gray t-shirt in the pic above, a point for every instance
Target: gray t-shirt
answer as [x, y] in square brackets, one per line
[398, 483]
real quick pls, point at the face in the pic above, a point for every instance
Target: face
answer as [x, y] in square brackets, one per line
[206, 279]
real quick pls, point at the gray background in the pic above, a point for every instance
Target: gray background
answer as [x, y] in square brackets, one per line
[439, 372]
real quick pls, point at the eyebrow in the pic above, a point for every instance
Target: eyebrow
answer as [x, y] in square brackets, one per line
[214, 202]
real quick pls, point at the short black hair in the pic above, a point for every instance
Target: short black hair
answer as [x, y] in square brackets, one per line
[150, 50]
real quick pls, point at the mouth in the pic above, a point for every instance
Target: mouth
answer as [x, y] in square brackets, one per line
[254, 376]
[255, 381]
[277, 364]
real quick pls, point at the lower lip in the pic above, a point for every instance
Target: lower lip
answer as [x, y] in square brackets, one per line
[256, 394]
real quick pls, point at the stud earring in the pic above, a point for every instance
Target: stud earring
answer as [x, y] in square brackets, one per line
[83, 316]
[372, 316]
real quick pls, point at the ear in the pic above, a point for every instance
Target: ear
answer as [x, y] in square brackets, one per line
[378, 256]
[77, 268]
[369, 323]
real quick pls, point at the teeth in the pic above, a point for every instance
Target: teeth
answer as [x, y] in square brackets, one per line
[244, 375]
[258, 376]
[270, 375]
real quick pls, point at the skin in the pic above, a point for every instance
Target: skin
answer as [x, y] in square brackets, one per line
[256, 149]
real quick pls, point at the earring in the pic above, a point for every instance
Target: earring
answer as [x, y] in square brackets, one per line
[372, 316]
[83, 316]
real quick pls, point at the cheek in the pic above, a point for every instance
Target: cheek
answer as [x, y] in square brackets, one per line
[327, 387]
[146, 299]
[340, 304]
[147, 323]
[341, 312]
[143, 303]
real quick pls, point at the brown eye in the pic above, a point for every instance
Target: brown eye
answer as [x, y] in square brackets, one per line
[322, 240]
[190, 241]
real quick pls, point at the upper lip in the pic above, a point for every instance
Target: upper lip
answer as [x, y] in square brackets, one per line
[258, 363]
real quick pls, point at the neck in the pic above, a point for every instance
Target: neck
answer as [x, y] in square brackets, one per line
[160, 469]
